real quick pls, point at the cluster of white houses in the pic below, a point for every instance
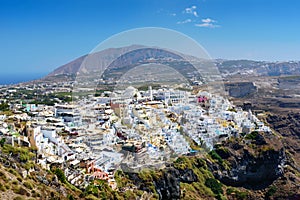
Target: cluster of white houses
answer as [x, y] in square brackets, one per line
[130, 130]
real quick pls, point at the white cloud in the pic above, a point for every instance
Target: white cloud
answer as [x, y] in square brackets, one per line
[191, 10]
[209, 23]
[195, 13]
[173, 14]
[208, 20]
[184, 21]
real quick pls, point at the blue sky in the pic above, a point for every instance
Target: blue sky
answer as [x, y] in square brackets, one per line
[36, 36]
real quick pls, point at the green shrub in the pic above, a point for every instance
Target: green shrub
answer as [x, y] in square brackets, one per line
[35, 194]
[2, 188]
[28, 185]
[214, 155]
[183, 162]
[20, 190]
[7, 186]
[25, 154]
[145, 175]
[214, 185]
[14, 172]
[70, 197]
[271, 191]
[129, 195]
[121, 179]
[229, 191]
[3, 176]
[2, 141]
[241, 195]
[252, 135]
[91, 197]
[29, 165]
[200, 163]
[223, 152]
[60, 175]
[19, 179]
[91, 190]
[155, 196]
[232, 109]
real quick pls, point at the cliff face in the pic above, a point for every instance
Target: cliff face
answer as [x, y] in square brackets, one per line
[168, 186]
[252, 172]
[240, 89]
[252, 164]
[166, 182]
[288, 125]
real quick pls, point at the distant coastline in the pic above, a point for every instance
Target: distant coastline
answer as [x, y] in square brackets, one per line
[14, 78]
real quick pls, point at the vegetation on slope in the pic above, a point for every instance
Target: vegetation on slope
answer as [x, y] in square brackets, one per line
[192, 175]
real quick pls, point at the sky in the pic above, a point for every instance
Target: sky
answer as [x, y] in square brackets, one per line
[37, 36]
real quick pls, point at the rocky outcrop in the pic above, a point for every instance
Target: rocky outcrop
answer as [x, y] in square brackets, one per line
[254, 167]
[251, 172]
[286, 125]
[168, 186]
[240, 89]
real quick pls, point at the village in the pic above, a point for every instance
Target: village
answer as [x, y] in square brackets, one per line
[93, 137]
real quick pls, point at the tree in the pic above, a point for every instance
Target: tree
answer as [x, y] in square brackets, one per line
[2, 141]
[60, 175]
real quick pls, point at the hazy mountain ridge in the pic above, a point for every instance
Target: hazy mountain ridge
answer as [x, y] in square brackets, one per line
[258, 68]
[226, 67]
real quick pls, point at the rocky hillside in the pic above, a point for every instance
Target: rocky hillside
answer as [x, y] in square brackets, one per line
[287, 125]
[257, 68]
[259, 163]
[253, 161]
[22, 178]
[249, 167]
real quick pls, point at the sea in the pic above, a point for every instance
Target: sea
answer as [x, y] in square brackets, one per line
[14, 78]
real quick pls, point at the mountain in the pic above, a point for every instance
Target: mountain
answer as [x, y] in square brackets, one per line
[257, 68]
[103, 58]
[138, 53]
